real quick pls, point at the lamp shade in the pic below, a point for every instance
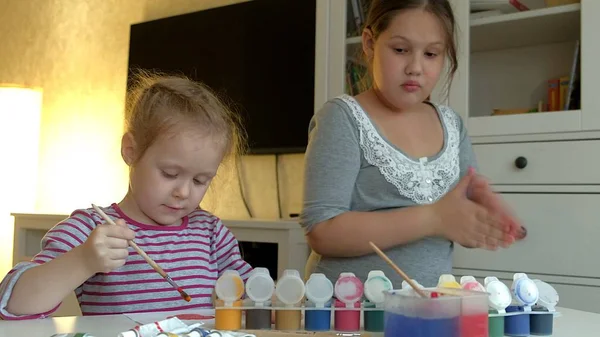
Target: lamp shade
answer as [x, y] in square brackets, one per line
[20, 115]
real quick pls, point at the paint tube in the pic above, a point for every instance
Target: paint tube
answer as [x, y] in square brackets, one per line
[172, 325]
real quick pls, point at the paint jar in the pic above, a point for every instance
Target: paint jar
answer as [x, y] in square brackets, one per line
[499, 295]
[319, 292]
[229, 289]
[524, 291]
[289, 291]
[375, 287]
[228, 319]
[474, 314]
[495, 324]
[542, 318]
[348, 290]
[448, 281]
[409, 315]
[499, 298]
[347, 316]
[516, 325]
[541, 322]
[259, 288]
[468, 282]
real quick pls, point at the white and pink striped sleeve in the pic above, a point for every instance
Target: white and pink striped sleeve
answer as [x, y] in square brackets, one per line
[227, 252]
[63, 237]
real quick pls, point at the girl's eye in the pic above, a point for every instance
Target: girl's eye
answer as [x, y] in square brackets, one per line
[431, 55]
[400, 50]
[169, 175]
[198, 182]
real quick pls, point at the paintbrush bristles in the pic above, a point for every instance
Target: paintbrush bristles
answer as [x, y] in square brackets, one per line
[397, 269]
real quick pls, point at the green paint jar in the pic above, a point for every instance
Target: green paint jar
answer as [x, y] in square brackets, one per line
[373, 319]
[496, 325]
[375, 287]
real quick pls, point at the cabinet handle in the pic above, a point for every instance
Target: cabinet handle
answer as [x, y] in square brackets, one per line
[521, 162]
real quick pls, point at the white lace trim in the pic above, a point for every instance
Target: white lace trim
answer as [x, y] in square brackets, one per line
[422, 181]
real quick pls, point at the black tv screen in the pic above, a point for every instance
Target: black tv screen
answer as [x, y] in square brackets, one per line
[259, 54]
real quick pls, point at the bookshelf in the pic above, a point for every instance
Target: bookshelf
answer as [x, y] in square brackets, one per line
[505, 62]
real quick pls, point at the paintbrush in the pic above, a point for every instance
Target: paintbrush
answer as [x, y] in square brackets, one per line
[398, 270]
[151, 262]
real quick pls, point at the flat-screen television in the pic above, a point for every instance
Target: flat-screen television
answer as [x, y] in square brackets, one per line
[259, 55]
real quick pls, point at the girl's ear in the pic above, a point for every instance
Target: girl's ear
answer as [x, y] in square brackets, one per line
[368, 43]
[128, 149]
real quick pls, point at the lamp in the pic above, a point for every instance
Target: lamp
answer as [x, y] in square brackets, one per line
[20, 115]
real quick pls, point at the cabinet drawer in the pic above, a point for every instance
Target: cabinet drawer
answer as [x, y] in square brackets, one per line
[562, 238]
[568, 162]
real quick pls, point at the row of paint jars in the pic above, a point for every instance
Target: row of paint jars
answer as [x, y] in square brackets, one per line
[526, 308]
[292, 297]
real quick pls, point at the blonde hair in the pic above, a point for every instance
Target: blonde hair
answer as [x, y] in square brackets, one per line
[158, 103]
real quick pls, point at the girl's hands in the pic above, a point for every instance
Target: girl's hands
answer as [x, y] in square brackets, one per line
[481, 192]
[475, 221]
[106, 247]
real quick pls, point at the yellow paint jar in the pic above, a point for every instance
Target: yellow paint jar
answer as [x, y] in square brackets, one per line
[229, 289]
[228, 319]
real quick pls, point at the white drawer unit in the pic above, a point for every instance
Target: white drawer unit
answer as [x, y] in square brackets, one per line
[562, 238]
[535, 163]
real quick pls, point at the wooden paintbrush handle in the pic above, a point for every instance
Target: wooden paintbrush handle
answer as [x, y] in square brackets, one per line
[133, 244]
[148, 259]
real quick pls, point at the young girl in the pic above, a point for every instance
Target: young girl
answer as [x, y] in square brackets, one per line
[389, 166]
[178, 133]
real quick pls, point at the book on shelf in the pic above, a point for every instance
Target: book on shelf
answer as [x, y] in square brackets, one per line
[356, 16]
[563, 92]
[504, 6]
[356, 78]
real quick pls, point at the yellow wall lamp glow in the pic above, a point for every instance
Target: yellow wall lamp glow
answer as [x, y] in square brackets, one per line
[20, 116]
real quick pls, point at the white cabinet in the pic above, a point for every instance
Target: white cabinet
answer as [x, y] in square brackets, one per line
[511, 62]
[545, 163]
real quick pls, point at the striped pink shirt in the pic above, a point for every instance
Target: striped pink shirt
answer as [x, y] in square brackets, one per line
[194, 254]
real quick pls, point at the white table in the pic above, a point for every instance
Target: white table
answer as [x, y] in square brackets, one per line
[571, 323]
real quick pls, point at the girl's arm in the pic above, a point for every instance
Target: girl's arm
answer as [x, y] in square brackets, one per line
[227, 252]
[332, 164]
[42, 288]
[334, 228]
[348, 234]
[35, 289]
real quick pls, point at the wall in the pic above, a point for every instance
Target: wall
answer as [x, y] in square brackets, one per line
[76, 50]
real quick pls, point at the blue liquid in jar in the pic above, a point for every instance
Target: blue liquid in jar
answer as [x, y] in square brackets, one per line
[397, 325]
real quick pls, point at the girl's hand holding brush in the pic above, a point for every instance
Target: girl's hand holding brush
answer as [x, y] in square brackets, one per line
[106, 248]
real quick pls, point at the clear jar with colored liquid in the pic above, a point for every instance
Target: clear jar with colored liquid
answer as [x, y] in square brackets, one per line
[474, 318]
[409, 315]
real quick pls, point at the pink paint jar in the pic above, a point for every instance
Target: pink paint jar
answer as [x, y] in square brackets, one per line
[348, 291]
[344, 319]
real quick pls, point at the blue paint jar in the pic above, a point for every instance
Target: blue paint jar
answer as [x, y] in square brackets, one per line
[541, 322]
[319, 294]
[316, 319]
[516, 325]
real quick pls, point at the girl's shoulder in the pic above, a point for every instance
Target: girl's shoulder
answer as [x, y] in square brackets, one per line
[337, 107]
[339, 112]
